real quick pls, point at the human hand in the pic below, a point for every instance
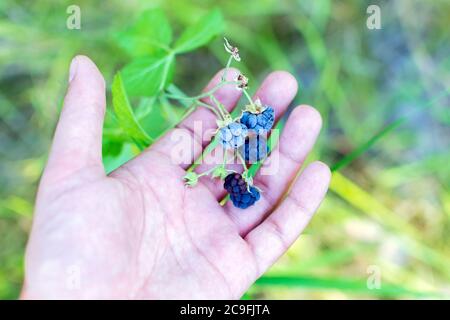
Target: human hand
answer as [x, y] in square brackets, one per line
[139, 232]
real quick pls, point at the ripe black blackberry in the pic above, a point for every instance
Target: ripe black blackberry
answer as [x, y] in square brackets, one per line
[240, 194]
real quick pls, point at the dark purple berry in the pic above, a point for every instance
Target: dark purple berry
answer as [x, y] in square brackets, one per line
[241, 196]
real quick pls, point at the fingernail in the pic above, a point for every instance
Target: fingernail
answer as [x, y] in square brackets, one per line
[73, 69]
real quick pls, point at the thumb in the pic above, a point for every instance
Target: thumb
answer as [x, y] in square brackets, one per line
[78, 137]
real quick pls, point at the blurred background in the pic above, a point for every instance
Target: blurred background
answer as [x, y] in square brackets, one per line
[383, 230]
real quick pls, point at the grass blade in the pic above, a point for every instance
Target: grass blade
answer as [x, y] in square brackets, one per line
[366, 146]
[341, 284]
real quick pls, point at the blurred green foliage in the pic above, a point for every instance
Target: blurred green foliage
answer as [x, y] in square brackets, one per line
[383, 95]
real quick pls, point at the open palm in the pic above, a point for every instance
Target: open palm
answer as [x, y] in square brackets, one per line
[140, 232]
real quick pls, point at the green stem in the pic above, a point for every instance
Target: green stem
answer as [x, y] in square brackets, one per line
[248, 96]
[220, 106]
[244, 165]
[224, 200]
[207, 106]
[224, 75]
[206, 172]
[191, 109]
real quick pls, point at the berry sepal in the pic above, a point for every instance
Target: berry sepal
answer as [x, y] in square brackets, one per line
[258, 119]
[191, 179]
[219, 172]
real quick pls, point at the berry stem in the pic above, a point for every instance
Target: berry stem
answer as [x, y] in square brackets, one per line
[224, 200]
[247, 95]
[207, 172]
[224, 75]
[244, 165]
[220, 106]
[207, 106]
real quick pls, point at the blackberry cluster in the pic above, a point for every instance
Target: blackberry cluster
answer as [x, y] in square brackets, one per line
[259, 122]
[240, 194]
[233, 135]
[248, 135]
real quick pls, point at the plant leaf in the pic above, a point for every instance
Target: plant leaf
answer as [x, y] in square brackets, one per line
[200, 33]
[150, 33]
[147, 76]
[125, 115]
[112, 162]
[157, 120]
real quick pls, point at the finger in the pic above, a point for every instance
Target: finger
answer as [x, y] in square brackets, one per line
[276, 234]
[77, 142]
[275, 175]
[277, 90]
[192, 134]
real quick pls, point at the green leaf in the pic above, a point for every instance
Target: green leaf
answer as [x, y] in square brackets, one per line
[147, 76]
[150, 33]
[125, 115]
[201, 33]
[159, 118]
[111, 162]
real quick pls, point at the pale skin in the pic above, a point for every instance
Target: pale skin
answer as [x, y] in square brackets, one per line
[139, 232]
